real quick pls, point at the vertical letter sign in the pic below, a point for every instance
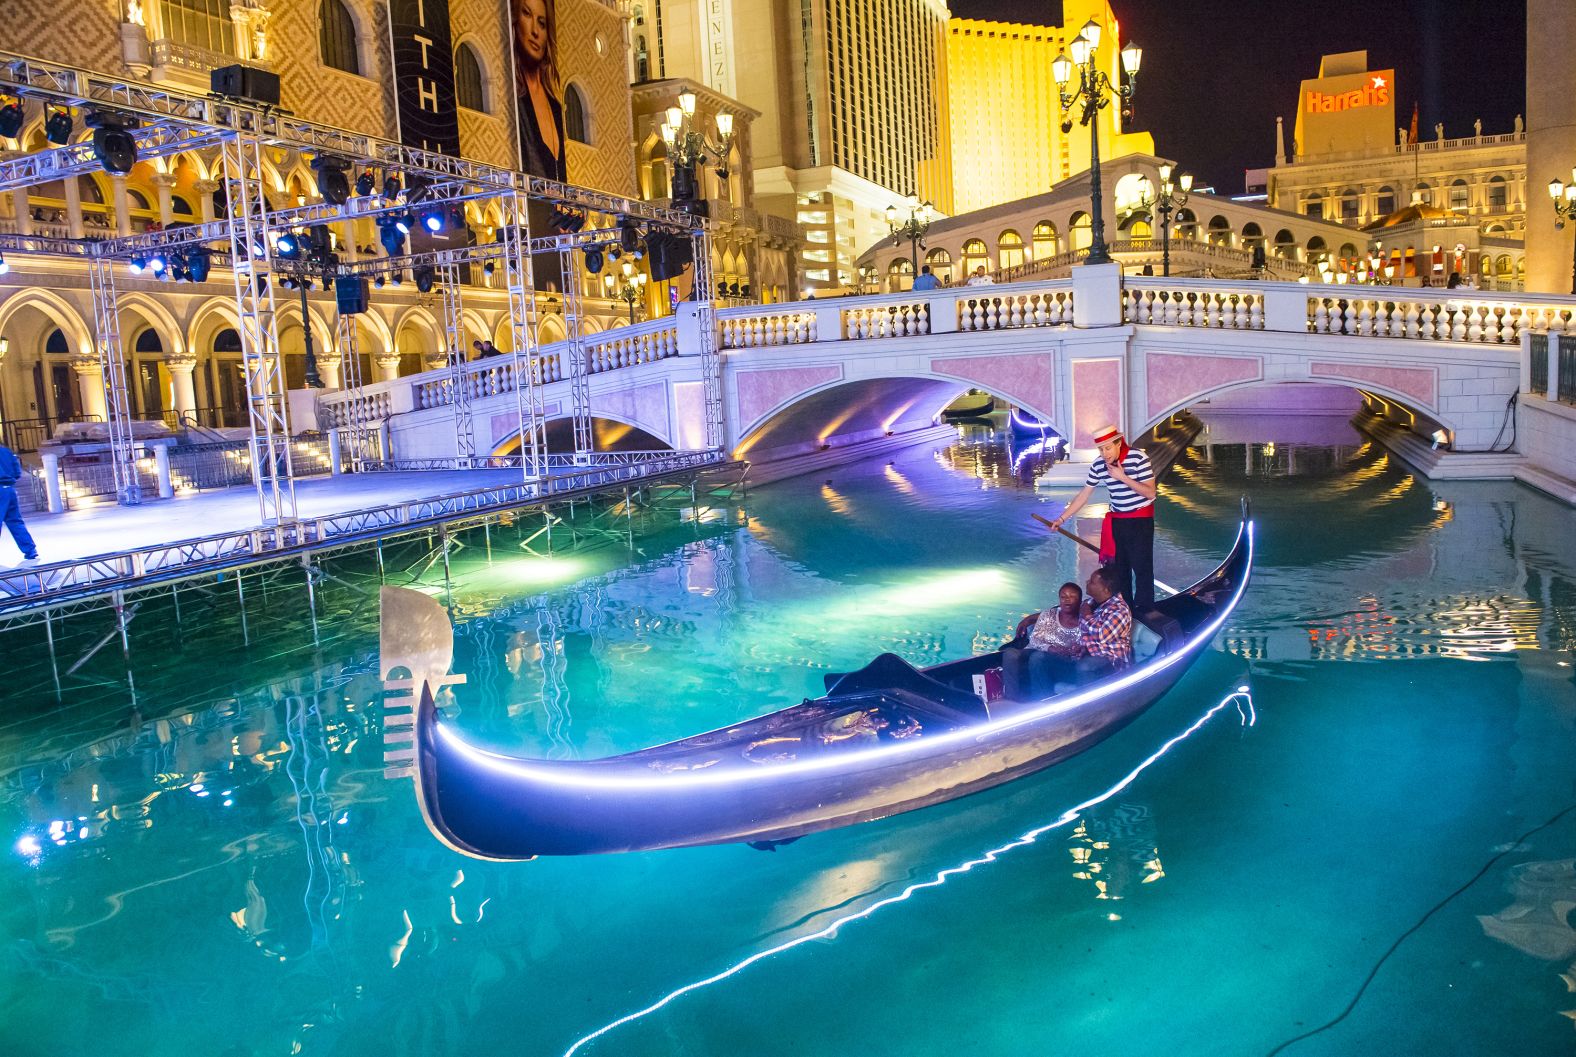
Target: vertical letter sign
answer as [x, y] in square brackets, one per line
[424, 75]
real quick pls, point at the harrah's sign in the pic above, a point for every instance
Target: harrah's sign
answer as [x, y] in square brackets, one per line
[1376, 92]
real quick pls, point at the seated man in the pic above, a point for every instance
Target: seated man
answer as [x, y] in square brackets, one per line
[1052, 648]
[1106, 634]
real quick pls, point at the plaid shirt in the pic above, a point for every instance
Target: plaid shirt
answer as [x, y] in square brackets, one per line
[1108, 632]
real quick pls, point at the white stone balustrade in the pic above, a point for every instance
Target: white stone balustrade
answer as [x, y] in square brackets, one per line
[993, 310]
[905, 318]
[752, 328]
[1445, 316]
[1188, 303]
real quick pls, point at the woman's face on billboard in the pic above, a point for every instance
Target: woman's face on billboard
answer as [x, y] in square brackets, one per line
[532, 29]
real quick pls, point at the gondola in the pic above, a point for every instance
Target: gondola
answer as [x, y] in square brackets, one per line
[885, 739]
[973, 404]
[1024, 424]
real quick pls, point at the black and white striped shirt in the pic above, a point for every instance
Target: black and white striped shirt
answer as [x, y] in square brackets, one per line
[1123, 499]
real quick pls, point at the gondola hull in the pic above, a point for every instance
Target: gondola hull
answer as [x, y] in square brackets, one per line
[831, 762]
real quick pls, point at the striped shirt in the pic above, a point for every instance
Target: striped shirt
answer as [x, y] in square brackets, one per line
[1123, 499]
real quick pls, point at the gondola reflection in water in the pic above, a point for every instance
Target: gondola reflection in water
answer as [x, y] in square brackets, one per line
[886, 739]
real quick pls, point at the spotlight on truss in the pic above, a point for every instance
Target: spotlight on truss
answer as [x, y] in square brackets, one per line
[58, 126]
[113, 146]
[333, 178]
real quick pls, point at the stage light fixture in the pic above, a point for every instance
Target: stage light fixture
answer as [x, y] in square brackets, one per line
[614, 253]
[198, 264]
[288, 245]
[397, 278]
[405, 222]
[392, 237]
[424, 276]
[489, 268]
[432, 220]
[391, 186]
[577, 221]
[593, 260]
[155, 264]
[364, 183]
[11, 118]
[333, 179]
[113, 146]
[288, 283]
[5, 265]
[378, 282]
[137, 264]
[58, 126]
[628, 235]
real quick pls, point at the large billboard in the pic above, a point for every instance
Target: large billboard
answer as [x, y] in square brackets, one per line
[539, 102]
[1346, 110]
[424, 75]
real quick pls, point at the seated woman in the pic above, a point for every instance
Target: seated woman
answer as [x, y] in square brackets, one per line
[1051, 651]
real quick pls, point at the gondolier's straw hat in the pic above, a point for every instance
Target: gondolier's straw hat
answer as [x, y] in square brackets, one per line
[1106, 433]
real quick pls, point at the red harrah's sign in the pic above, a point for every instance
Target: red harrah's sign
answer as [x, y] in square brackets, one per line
[1375, 93]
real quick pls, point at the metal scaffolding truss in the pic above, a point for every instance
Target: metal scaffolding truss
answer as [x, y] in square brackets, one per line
[454, 339]
[360, 432]
[112, 365]
[579, 379]
[710, 358]
[515, 239]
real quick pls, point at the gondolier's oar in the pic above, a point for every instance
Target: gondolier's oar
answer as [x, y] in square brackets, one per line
[1070, 535]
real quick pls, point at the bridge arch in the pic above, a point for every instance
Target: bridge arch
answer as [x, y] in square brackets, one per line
[1385, 399]
[837, 411]
[609, 432]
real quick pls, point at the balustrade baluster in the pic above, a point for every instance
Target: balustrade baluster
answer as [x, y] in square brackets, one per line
[1458, 324]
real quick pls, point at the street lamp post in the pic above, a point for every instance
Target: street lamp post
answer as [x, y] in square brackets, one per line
[1094, 91]
[1564, 196]
[1172, 195]
[630, 292]
[689, 149]
[920, 215]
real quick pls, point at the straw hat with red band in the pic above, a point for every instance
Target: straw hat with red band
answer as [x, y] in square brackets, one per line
[1106, 434]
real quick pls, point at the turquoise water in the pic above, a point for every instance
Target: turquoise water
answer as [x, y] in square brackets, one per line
[203, 856]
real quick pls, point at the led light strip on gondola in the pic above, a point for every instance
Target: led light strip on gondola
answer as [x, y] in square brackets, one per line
[1238, 696]
[588, 779]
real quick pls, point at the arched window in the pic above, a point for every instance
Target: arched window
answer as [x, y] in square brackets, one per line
[975, 255]
[336, 37]
[1497, 196]
[577, 116]
[148, 341]
[1079, 231]
[1043, 241]
[1423, 194]
[1349, 203]
[940, 262]
[1009, 249]
[227, 340]
[1386, 201]
[468, 86]
[1317, 251]
[1219, 231]
[1458, 194]
[1184, 225]
[900, 274]
[1314, 205]
[1285, 244]
[56, 342]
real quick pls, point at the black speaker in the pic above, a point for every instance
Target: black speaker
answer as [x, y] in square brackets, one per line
[1258, 255]
[668, 254]
[350, 294]
[245, 82]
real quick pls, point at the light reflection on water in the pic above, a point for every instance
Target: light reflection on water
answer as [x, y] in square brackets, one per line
[226, 839]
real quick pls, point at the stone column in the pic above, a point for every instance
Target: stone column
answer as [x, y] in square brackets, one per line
[184, 392]
[388, 367]
[1551, 140]
[91, 381]
[73, 206]
[164, 183]
[24, 216]
[328, 363]
[205, 189]
[122, 204]
[433, 361]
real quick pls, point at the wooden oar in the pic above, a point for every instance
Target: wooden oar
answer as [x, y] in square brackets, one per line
[1070, 535]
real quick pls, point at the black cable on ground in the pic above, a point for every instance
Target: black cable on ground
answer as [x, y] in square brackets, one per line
[1436, 908]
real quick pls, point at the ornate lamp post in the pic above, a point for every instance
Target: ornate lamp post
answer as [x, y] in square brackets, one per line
[920, 215]
[1172, 195]
[1094, 90]
[689, 149]
[632, 289]
[1564, 196]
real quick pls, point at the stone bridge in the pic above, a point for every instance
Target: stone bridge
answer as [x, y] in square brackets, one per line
[817, 375]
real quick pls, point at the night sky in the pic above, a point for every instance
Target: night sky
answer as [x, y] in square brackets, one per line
[1217, 72]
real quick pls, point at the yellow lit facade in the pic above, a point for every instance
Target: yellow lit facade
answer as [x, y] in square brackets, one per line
[1004, 113]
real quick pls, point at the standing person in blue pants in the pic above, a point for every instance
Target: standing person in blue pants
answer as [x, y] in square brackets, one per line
[11, 507]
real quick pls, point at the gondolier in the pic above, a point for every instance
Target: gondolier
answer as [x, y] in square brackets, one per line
[1127, 536]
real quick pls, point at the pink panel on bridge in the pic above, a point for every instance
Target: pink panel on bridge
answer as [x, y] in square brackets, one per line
[689, 401]
[760, 391]
[1024, 378]
[1097, 398]
[1173, 377]
[645, 406]
[505, 426]
[1419, 383]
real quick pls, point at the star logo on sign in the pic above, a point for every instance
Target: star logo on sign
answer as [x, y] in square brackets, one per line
[1378, 81]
